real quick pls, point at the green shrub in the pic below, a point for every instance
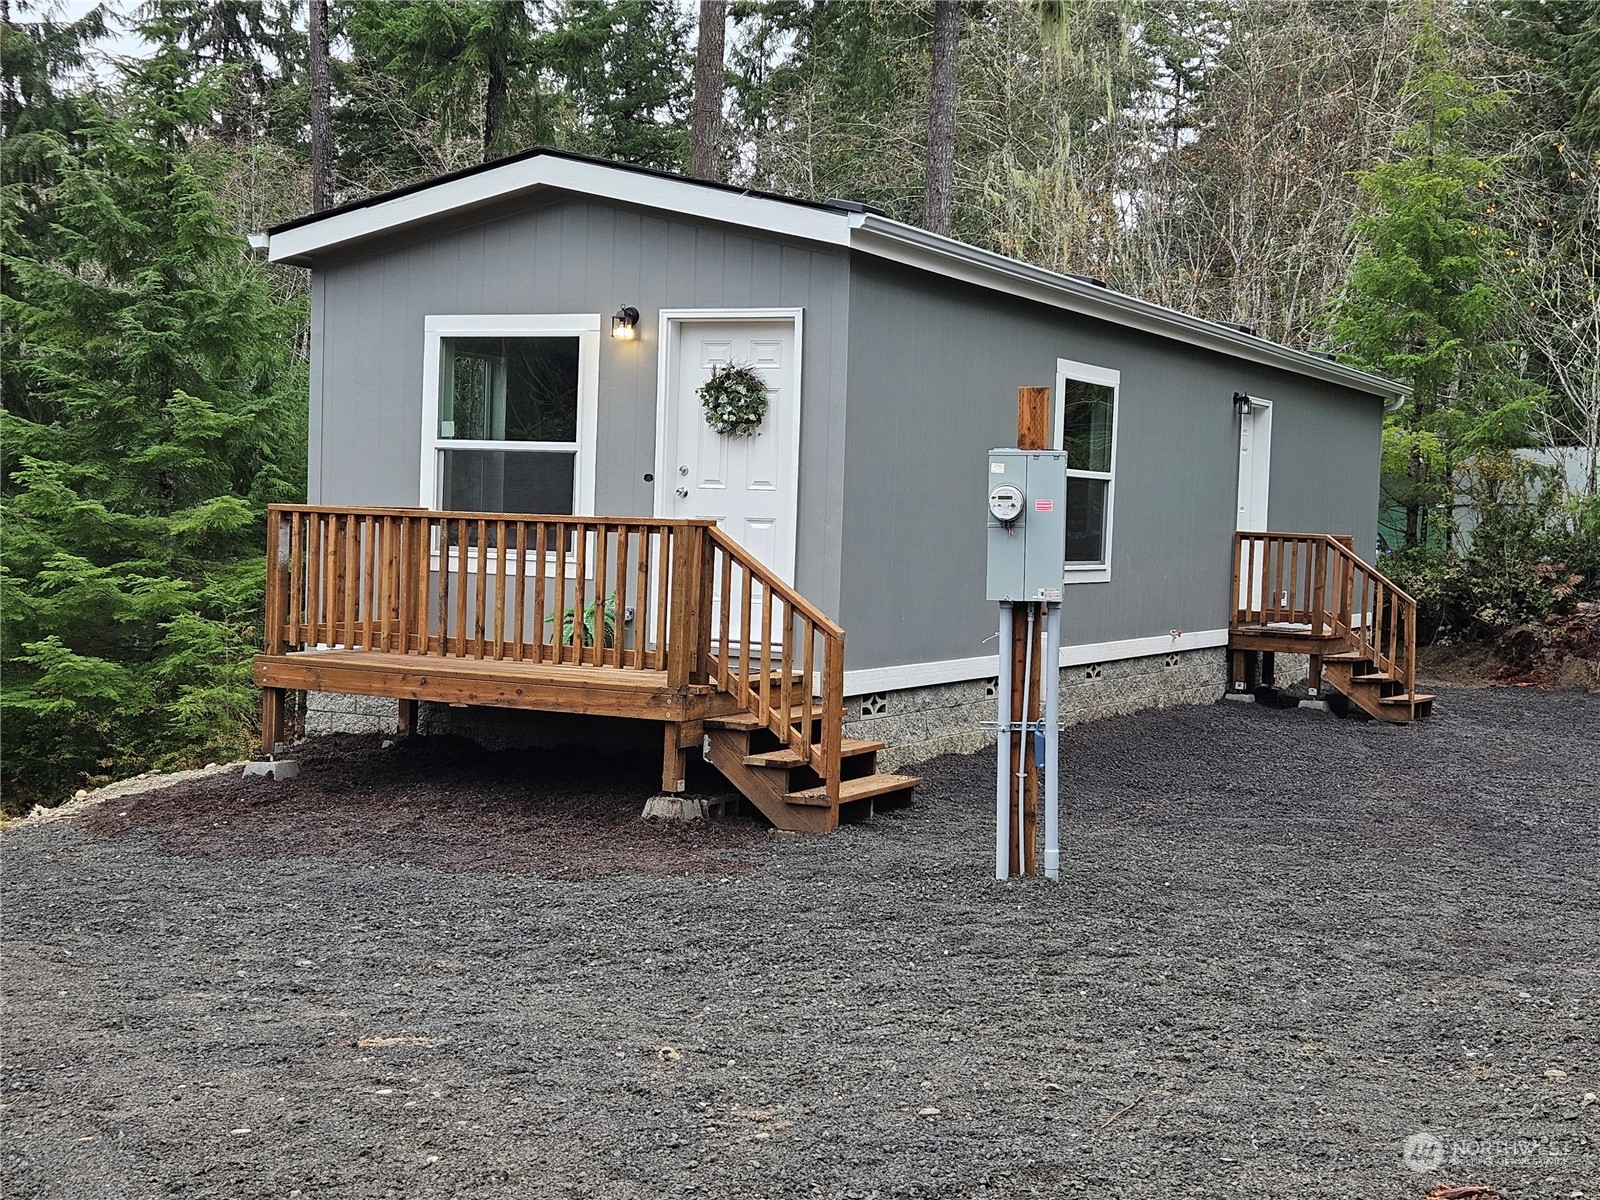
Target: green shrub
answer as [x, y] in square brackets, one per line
[1533, 555]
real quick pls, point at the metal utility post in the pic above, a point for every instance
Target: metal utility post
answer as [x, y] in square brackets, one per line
[1027, 541]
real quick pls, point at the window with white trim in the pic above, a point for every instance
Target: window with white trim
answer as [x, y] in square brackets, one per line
[508, 414]
[1086, 428]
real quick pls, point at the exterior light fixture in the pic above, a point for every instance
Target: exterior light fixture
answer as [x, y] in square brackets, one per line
[624, 324]
[1241, 404]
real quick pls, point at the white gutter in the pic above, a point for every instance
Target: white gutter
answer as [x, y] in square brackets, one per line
[906, 244]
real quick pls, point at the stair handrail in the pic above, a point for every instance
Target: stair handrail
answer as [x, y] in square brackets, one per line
[753, 690]
[1387, 631]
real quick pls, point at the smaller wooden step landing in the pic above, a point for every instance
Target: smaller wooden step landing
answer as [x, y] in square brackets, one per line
[1308, 593]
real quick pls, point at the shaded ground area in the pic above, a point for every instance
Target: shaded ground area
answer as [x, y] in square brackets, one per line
[1284, 945]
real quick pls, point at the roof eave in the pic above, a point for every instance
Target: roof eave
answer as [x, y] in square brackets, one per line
[300, 243]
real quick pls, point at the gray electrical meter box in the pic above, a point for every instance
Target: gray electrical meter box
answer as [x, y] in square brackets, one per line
[1027, 524]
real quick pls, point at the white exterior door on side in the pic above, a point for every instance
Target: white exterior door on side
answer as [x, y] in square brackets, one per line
[1255, 469]
[748, 485]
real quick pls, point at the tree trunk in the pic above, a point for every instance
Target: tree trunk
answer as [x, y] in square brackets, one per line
[706, 130]
[321, 120]
[494, 112]
[939, 197]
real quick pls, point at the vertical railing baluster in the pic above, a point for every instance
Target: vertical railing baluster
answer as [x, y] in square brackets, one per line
[314, 579]
[580, 592]
[521, 588]
[666, 556]
[1294, 574]
[641, 594]
[481, 596]
[745, 611]
[724, 623]
[765, 686]
[538, 587]
[601, 548]
[297, 579]
[502, 561]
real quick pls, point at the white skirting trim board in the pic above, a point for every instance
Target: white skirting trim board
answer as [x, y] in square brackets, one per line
[955, 670]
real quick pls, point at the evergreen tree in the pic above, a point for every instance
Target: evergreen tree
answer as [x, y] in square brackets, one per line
[1421, 306]
[469, 64]
[154, 408]
[624, 71]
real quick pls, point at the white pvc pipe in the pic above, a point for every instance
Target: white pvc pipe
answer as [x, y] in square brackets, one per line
[1025, 867]
[1002, 740]
[1052, 725]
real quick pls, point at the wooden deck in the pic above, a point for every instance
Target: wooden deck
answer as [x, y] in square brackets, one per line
[547, 687]
[666, 621]
[1308, 593]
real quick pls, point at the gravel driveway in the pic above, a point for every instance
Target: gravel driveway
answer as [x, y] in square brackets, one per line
[1284, 944]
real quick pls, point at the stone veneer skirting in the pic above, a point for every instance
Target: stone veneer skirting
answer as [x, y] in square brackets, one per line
[329, 712]
[915, 723]
[920, 723]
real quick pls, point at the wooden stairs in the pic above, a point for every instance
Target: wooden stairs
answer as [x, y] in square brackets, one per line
[786, 788]
[1308, 593]
[680, 624]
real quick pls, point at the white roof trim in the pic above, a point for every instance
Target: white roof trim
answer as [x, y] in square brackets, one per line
[527, 175]
[863, 232]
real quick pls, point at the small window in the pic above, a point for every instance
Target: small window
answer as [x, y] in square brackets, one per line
[508, 412]
[1086, 428]
[511, 406]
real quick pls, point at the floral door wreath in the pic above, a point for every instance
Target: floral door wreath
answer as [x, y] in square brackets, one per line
[735, 400]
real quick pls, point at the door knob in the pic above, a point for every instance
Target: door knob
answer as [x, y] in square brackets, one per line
[683, 493]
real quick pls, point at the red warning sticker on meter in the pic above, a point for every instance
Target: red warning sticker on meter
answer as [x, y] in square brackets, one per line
[1043, 505]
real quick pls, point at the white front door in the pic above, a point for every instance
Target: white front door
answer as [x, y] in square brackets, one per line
[1255, 470]
[748, 485]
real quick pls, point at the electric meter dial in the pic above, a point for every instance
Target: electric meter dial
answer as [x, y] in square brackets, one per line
[1005, 502]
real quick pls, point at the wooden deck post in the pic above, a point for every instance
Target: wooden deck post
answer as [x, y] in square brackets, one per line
[683, 626]
[1033, 433]
[271, 720]
[406, 719]
[674, 759]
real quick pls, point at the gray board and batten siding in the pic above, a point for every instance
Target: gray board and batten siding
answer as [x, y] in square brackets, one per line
[935, 365]
[568, 255]
[890, 520]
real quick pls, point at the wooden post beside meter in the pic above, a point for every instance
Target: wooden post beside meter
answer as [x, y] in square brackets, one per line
[1033, 433]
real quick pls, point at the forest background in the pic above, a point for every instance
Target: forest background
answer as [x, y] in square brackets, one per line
[1413, 185]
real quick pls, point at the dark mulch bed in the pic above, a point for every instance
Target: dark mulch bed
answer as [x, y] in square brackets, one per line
[440, 802]
[1284, 945]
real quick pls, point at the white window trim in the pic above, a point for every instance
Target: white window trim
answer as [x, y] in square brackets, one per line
[1079, 372]
[584, 326]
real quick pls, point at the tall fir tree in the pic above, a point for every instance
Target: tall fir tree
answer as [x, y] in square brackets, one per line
[154, 408]
[1422, 306]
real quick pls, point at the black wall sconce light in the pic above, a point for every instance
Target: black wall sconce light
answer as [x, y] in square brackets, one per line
[1241, 404]
[624, 326]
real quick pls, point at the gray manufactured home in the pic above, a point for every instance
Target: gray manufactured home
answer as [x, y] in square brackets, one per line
[530, 336]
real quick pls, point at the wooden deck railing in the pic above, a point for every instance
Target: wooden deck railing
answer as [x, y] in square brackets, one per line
[630, 594]
[1314, 583]
[798, 654]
